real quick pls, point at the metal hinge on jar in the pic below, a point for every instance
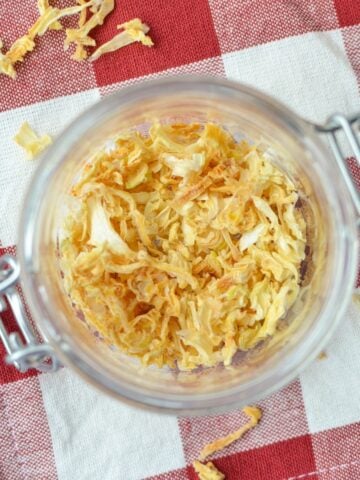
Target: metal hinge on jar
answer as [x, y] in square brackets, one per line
[27, 352]
[336, 125]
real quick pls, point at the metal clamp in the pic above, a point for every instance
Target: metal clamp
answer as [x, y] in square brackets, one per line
[350, 127]
[27, 352]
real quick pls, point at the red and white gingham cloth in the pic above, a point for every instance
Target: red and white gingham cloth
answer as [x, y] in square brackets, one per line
[53, 426]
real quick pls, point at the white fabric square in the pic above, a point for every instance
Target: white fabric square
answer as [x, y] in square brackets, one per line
[96, 437]
[331, 386]
[16, 171]
[310, 73]
[209, 66]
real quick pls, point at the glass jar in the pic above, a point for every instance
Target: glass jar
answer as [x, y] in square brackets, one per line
[293, 144]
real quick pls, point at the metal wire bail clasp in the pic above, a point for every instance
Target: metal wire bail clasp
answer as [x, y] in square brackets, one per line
[27, 353]
[350, 127]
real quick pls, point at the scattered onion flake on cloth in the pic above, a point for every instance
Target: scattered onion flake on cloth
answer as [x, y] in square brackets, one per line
[254, 413]
[80, 36]
[184, 246]
[30, 141]
[134, 31]
[208, 471]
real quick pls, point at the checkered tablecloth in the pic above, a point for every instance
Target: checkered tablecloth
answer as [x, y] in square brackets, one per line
[303, 52]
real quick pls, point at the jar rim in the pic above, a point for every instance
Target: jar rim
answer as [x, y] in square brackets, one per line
[75, 357]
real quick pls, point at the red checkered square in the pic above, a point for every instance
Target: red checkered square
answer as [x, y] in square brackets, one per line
[288, 460]
[351, 36]
[245, 24]
[25, 441]
[48, 71]
[337, 453]
[8, 373]
[348, 12]
[183, 32]
[283, 417]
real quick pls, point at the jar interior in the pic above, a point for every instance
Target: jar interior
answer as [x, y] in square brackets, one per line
[293, 151]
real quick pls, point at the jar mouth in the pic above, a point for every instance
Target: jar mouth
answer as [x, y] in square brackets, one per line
[293, 357]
